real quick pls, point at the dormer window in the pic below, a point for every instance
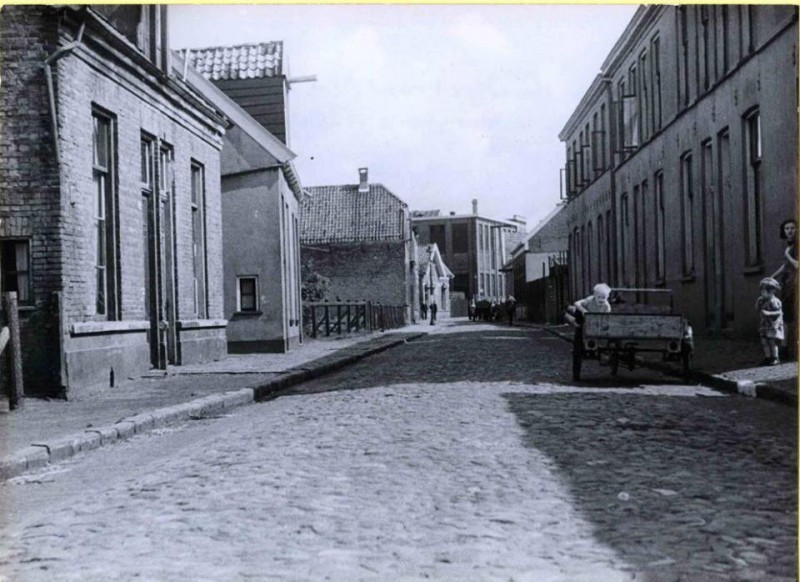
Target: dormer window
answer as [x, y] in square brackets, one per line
[145, 26]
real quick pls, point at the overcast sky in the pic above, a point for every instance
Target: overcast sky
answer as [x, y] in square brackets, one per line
[442, 103]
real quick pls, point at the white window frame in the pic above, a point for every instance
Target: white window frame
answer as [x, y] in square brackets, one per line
[257, 306]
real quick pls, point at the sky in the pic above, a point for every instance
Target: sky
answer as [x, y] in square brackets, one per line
[441, 103]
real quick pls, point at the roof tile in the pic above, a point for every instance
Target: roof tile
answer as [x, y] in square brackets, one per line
[245, 61]
[343, 214]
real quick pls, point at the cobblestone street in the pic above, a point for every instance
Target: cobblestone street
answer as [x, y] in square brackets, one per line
[465, 455]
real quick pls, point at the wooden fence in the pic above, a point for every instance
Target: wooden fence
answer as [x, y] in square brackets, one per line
[339, 318]
[10, 348]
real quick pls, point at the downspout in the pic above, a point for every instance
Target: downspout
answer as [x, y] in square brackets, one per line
[48, 73]
[612, 132]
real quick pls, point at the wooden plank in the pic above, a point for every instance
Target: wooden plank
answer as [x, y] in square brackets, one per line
[5, 334]
[633, 326]
[15, 395]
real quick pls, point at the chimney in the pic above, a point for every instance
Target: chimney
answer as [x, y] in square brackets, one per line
[475, 206]
[363, 182]
[452, 213]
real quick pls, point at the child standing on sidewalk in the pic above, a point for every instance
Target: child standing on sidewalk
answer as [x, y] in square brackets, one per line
[771, 325]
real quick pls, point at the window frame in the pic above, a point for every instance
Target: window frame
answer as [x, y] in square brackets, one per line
[753, 203]
[104, 178]
[687, 214]
[27, 299]
[256, 309]
[197, 206]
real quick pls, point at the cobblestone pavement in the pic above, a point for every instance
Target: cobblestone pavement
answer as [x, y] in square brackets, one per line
[462, 456]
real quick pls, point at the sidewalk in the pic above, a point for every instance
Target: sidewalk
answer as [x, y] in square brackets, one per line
[45, 431]
[727, 364]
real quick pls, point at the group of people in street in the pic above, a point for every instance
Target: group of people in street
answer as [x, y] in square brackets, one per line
[777, 315]
[430, 307]
[492, 310]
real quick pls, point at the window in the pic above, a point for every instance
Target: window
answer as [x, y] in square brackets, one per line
[199, 240]
[644, 97]
[437, 236]
[683, 61]
[704, 18]
[752, 155]
[147, 185]
[623, 239]
[608, 244]
[460, 238]
[589, 251]
[629, 114]
[143, 25]
[655, 63]
[603, 146]
[15, 269]
[687, 215]
[726, 35]
[247, 294]
[601, 265]
[104, 231]
[658, 185]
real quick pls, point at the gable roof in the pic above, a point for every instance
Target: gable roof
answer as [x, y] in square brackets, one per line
[343, 214]
[429, 254]
[242, 61]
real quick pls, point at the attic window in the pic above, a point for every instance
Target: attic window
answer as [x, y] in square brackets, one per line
[145, 26]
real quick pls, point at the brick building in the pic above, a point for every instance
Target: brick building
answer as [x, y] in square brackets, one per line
[358, 236]
[260, 195]
[682, 159]
[474, 247]
[537, 269]
[110, 221]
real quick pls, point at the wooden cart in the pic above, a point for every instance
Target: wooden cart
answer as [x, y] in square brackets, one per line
[642, 321]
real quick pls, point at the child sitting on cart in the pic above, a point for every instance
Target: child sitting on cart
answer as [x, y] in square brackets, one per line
[597, 302]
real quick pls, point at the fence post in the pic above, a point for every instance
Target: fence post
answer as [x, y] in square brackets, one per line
[338, 319]
[15, 393]
[327, 322]
[313, 322]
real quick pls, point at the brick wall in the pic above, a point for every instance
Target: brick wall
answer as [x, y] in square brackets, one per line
[362, 271]
[29, 181]
[55, 205]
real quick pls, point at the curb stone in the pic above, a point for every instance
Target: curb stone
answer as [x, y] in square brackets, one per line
[39, 455]
[743, 387]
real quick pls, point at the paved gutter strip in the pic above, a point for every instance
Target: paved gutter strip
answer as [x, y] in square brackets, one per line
[40, 455]
[742, 387]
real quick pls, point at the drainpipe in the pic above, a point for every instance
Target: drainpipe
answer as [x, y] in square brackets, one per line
[48, 73]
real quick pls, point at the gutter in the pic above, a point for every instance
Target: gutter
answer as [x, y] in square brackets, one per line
[48, 73]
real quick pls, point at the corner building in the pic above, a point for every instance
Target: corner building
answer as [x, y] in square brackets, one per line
[110, 222]
[681, 159]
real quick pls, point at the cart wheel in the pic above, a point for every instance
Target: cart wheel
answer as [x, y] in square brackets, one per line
[577, 360]
[614, 362]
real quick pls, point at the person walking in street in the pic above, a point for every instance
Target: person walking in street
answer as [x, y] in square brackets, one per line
[511, 306]
[423, 310]
[471, 309]
[786, 276]
[434, 308]
[771, 326]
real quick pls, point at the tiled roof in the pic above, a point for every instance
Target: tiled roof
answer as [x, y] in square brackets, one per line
[343, 214]
[243, 61]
